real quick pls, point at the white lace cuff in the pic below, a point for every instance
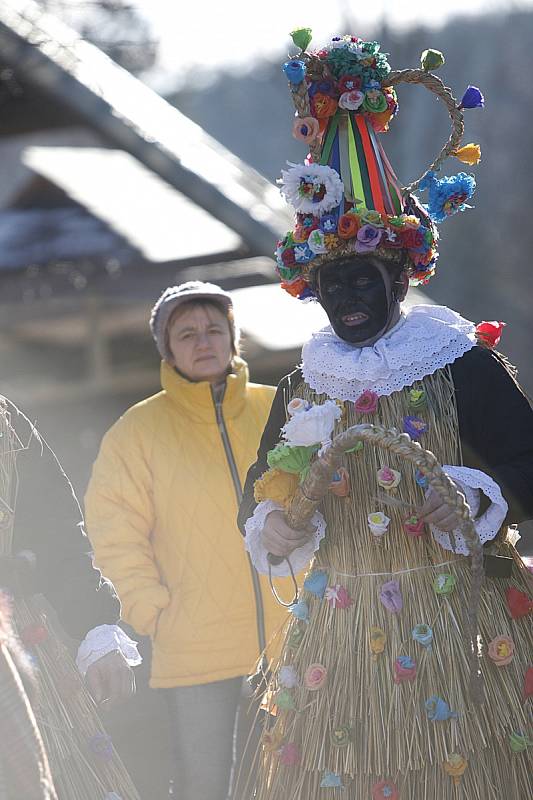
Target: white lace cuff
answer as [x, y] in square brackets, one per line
[299, 558]
[471, 481]
[105, 639]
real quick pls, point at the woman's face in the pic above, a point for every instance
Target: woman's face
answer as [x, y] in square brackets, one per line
[355, 296]
[199, 339]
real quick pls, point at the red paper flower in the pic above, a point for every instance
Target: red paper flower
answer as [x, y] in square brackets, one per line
[528, 683]
[404, 669]
[338, 597]
[349, 83]
[490, 333]
[322, 105]
[348, 226]
[367, 402]
[315, 677]
[385, 790]
[414, 526]
[290, 754]
[33, 635]
[518, 603]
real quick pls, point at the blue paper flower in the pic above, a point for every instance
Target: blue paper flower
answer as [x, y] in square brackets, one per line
[307, 294]
[328, 223]
[300, 610]
[423, 634]
[472, 98]
[316, 583]
[294, 70]
[331, 780]
[303, 253]
[438, 709]
[447, 195]
[421, 479]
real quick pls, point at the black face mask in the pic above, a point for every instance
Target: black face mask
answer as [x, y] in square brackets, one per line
[354, 296]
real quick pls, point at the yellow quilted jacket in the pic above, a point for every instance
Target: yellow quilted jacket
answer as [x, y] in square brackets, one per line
[161, 512]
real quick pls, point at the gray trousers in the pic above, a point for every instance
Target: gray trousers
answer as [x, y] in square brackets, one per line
[207, 741]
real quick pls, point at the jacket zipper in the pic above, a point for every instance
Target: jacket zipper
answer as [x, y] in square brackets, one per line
[259, 609]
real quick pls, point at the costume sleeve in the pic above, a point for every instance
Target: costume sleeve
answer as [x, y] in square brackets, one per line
[48, 522]
[496, 427]
[120, 518]
[269, 439]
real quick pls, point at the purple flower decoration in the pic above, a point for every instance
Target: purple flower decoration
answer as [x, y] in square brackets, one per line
[294, 71]
[415, 427]
[472, 98]
[368, 238]
[328, 223]
[391, 596]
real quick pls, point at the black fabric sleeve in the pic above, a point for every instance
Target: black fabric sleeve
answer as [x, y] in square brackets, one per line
[48, 522]
[269, 439]
[496, 427]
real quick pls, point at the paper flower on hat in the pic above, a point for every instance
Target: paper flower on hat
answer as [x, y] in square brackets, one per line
[367, 402]
[294, 70]
[378, 523]
[316, 583]
[306, 130]
[331, 780]
[447, 195]
[472, 98]
[438, 710]
[490, 333]
[378, 639]
[288, 677]
[277, 486]
[315, 426]
[455, 767]
[385, 790]
[518, 603]
[501, 650]
[468, 154]
[431, 60]
[312, 188]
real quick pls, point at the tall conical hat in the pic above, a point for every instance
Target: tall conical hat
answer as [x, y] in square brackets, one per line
[347, 198]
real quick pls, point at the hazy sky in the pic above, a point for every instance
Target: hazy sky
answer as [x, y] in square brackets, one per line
[209, 32]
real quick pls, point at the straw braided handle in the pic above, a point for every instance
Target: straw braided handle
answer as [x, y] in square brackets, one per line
[310, 494]
[436, 86]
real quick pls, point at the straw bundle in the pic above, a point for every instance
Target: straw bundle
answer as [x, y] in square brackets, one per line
[361, 728]
[83, 763]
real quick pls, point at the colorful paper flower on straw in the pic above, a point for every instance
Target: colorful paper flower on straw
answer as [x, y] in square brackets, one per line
[378, 523]
[455, 767]
[312, 188]
[341, 736]
[348, 226]
[315, 677]
[404, 669]
[314, 426]
[417, 399]
[391, 596]
[288, 677]
[295, 460]
[290, 754]
[501, 650]
[385, 790]
[415, 427]
[490, 333]
[444, 583]
[102, 746]
[518, 603]
[295, 636]
[300, 610]
[447, 195]
[378, 639]
[294, 70]
[468, 154]
[431, 60]
[340, 485]
[414, 526]
[438, 709]
[277, 486]
[367, 402]
[388, 478]
[423, 634]
[316, 583]
[306, 130]
[284, 700]
[421, 479]
[367, 239]
[272, 739]
[519, 742]
[301, 37]
[317, 242]
[351, 100]
[331, 780]
[338, 597]
[33, 635]
[528, 683]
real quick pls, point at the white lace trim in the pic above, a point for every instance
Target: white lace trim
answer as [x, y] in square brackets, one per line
[105, 639]
[425, 339]
[470, 481]
[299, 558]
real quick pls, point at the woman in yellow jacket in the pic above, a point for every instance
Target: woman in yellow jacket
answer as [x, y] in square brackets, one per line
[161, 512]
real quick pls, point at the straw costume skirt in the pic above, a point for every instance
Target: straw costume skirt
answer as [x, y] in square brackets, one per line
[370, 698]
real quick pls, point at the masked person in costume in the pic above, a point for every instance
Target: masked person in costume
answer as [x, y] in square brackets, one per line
[371, 693]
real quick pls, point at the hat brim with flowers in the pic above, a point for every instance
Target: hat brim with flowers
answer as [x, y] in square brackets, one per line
[347, 198]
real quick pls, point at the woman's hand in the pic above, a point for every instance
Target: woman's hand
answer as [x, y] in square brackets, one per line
[279, 539]
[438, 513]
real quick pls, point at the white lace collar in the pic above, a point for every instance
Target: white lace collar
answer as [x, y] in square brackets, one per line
[425, 339]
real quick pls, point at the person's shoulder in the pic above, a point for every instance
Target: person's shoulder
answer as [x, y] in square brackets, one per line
[142, 416]
[483, 368]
